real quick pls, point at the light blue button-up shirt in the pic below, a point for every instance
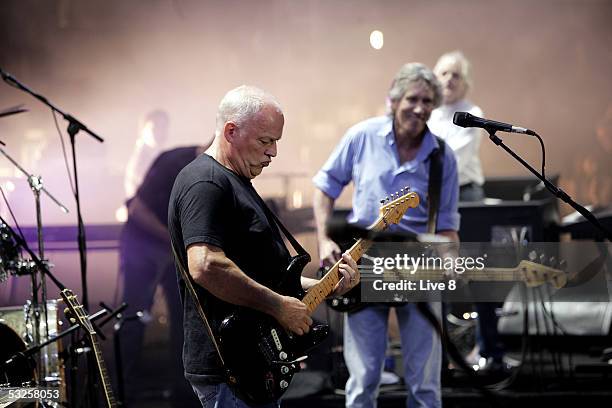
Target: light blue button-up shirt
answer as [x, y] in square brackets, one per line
[368, 156]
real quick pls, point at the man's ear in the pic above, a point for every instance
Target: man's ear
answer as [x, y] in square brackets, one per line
[230, 131]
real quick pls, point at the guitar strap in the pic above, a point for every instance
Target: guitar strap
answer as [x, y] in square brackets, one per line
[435, 185]
[194, 296]
[270, 214]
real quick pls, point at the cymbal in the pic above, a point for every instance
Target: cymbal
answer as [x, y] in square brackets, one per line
[12, 111]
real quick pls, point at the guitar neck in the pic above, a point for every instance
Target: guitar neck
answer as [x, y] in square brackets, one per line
[485, 275]
[104, 377]
[317, 294]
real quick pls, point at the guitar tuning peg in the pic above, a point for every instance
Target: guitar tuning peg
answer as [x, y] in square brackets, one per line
[563, 265]
[382, 202]
[533, 255]
[552, 261]
[542, 259]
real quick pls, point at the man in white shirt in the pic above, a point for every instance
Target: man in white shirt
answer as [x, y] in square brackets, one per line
[453, 72]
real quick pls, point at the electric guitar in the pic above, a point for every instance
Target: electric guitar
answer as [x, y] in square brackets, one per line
[81, 318]
[531, 273]
[260, 356]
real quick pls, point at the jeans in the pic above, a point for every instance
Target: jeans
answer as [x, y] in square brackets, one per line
[221, 396]
[365, 344]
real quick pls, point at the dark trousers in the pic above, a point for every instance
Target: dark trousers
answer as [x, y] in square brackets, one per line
[146, 264]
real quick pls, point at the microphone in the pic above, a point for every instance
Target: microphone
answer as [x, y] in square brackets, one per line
[464, 119]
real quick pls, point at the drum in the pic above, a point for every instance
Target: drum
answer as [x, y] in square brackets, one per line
[9, 256]
[19, 320]
[19, 372]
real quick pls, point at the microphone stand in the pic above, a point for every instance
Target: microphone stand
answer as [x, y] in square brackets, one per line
[74, 126]
[556, 191]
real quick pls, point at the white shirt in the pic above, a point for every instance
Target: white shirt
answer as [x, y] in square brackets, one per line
[465, 142]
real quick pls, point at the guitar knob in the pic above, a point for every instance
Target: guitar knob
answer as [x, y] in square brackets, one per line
[282, 355]
[284, 369]
[283, 384]
[335, 302]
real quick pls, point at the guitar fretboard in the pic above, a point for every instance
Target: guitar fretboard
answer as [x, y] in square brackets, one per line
[317, 294]
[79, 313]
[486, 275]
[104, 377]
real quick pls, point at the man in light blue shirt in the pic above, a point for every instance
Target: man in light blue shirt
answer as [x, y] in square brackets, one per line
[380, 156]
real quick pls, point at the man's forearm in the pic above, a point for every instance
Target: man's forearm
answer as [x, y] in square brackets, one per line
[323, 206]
[221, 277]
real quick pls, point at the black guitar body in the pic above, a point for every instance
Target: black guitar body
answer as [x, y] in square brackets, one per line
[261, 356]
[350, 302]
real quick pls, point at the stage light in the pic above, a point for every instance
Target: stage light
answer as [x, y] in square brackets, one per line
[377, 39]
[297, 199]
[9, 186]
[121, 214]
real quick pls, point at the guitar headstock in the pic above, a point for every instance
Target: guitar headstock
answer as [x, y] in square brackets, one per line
[393, 208]
[535, 274]
[77, 310]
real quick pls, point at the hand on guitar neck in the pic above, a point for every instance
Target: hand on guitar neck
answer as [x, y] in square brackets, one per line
[349, 273]
[329, 252]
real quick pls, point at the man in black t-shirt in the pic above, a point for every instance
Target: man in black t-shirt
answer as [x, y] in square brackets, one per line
[146, 263]
[224, 239]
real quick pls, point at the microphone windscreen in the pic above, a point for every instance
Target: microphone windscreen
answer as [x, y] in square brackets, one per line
[461, 119]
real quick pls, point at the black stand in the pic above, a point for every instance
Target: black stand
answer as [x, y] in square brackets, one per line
[73, 129]
[556, 191]
[74, 126]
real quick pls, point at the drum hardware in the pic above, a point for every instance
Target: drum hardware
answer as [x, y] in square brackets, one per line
[39, 303]
[44, 270]
[17, 365]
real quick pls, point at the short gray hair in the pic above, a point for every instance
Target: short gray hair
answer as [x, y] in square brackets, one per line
[241, 103]
[466, 67]
[414, 72]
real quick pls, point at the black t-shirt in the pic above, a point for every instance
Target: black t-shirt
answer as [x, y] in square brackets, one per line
[155, 189]
[211, 204]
